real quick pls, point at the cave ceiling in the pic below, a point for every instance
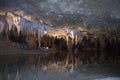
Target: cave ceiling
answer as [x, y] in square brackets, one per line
[60, 13]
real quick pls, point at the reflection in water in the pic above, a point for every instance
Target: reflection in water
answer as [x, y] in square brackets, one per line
[27, 67]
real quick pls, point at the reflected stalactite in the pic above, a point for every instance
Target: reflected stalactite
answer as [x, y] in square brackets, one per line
[8, 77]
[17, 77]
